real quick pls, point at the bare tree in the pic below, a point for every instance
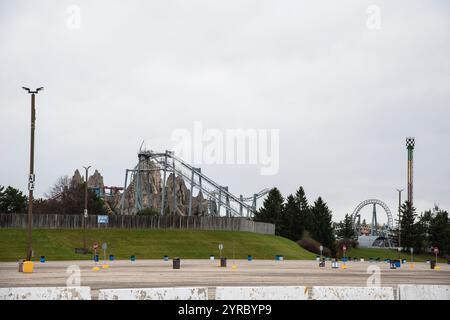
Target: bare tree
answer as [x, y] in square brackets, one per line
[63, 183]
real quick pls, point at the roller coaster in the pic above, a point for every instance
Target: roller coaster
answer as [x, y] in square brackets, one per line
[145, 180]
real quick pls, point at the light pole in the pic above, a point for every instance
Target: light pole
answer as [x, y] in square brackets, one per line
[399, 221]
[85, 208]
[31, 177]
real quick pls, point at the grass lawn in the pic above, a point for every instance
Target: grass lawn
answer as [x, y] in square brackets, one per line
[148, 244]
[367, 253]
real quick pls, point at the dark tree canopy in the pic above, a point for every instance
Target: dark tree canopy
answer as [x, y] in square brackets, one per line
[322, 230]
[345, 229]
[272, 209]
[12, 200]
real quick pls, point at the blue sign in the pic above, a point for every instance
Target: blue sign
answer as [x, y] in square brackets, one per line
[102, 219]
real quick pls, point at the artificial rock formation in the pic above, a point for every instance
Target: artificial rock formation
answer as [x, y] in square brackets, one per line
[96, 181]
[77, 178]
[150, 183]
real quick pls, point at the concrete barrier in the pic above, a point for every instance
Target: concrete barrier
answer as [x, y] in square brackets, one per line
[154, 294]
[352, 293]
[261, 293]
[46, 293]
[423, 292]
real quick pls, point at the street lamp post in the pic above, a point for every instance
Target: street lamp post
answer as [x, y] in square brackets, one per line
[399, 221]
[31, 177]
[85, 208]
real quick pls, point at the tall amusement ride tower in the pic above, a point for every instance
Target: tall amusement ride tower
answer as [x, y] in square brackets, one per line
[410, 141]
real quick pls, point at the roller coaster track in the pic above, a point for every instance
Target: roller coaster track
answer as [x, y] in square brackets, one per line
[220, 200]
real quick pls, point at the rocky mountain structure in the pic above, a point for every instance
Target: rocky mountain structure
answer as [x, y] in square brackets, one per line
[76, 178]
[150, 183]
[96, 181]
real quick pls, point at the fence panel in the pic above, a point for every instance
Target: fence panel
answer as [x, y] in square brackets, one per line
[60, 221]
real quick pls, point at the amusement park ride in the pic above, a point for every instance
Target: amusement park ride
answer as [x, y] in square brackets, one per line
[219, 201]
[148, 185]
[376, 236]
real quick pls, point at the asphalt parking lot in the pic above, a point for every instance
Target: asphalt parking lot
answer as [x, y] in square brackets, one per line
[159, 273]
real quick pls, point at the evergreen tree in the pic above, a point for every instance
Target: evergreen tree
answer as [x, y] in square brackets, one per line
[289, 219]
[423, 229]
[345, 228]
[271, 210]
[440, 231]
[304, 221]
[323, 227]
[410, 233]
[12, 200]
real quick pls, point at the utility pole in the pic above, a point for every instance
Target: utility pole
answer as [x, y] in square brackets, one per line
[85, 208]
[31, 177]
[399, 220]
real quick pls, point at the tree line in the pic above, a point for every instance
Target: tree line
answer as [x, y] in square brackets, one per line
[296, 219]
[64, 198]
[423, 232]
[312, 225]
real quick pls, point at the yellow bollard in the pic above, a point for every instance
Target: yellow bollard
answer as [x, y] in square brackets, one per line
[95, 269]
[411, 266]
[233, 266]
[435, 268]
[344, 266]
[105, 266]
[28, 267]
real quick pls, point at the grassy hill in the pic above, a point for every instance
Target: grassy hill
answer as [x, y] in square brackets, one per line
[148, 244]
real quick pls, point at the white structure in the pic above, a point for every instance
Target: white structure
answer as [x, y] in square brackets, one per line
[423, 292]
[352, 293]
[154, 294]
[46, 293]
[262, 293]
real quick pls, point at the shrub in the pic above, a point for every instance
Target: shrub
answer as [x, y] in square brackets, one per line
[312, 245]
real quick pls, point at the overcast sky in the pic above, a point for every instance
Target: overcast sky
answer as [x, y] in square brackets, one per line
[343, 95]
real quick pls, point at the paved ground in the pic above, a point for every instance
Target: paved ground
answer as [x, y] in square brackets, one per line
[158, 273]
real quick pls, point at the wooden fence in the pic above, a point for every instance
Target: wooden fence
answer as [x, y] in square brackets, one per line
[57, 221]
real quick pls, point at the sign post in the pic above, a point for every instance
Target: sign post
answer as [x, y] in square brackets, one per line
[95, 247]
[436, 251]
[344, 248]
[220, 249]
[321, 250]
[412, 258]
[104, 247]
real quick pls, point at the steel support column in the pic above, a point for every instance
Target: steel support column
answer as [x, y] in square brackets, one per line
[163, 196]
